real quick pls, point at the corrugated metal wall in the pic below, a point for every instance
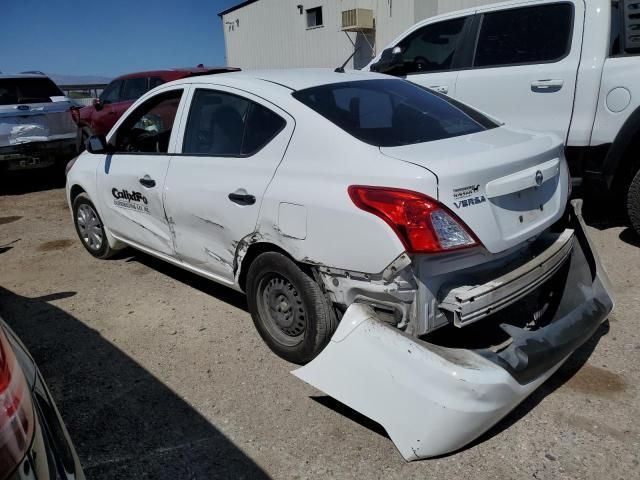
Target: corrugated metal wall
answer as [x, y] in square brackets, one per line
[274, 34]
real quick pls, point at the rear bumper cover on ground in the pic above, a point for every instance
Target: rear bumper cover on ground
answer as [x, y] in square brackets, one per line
[434, 400]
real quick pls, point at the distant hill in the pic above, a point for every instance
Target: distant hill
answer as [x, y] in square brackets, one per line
[78, 79]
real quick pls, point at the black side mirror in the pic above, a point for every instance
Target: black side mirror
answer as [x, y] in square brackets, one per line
[97, 144]
[98, 104]
[390, 62]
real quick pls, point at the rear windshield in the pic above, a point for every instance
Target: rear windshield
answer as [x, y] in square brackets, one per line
[27, 90]
[392, 112]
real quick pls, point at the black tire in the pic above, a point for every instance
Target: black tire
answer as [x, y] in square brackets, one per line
[84, 208]
[288, 308]
[633, 203]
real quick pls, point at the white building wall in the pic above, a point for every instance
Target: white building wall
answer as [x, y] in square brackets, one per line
[273, 33]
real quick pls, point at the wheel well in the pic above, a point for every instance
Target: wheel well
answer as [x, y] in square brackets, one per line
[253, 252]
[75, 191]
[629, 165]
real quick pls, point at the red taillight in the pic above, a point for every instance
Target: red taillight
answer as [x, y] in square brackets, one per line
[423, 224]
[16, 411]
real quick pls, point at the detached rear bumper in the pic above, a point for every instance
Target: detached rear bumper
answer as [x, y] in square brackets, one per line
[434, 400]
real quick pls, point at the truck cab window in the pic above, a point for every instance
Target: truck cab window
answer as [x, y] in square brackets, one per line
[518, 36]
[432, 48]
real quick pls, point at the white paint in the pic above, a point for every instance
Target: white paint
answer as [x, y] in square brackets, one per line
[618, 99]
[292, 220]
[430, 400]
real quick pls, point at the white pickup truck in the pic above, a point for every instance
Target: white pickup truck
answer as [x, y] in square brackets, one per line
[36, 128]
[570, 67]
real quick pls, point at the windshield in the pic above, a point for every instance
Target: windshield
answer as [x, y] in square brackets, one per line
[392, 112]
[27, 90]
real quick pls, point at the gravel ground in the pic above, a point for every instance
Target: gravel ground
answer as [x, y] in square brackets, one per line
[160, 374]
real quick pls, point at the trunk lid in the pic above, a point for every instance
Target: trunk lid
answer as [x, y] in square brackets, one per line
[506, 185]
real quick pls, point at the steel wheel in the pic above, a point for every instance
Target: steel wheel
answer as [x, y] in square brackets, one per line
[282, 309]
[89, 227]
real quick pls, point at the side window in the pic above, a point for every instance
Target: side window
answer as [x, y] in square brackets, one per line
[222, 124]
[111, 94]
[148, 128]
[262, 126]
[540, 34]
[134, 88]
[155, 82]
[433, 47]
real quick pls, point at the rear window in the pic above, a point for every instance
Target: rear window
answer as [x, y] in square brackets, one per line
[390, 113]
[27, 90]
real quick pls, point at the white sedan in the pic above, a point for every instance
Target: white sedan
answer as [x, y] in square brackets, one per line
[420, 255]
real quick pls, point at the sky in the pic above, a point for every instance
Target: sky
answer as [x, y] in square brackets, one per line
[109, 37]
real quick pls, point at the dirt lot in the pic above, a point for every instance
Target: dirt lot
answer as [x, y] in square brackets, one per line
[160, 374]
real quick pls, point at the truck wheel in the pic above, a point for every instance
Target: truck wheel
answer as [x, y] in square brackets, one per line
[288, 308]
[89, 227]
[633, 203]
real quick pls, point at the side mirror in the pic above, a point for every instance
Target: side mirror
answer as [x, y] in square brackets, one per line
[97, 103]
[97, 144]
[390, 62]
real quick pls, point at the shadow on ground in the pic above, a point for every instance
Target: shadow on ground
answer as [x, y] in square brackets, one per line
[124, 422]
[181, 275]
[28, 181]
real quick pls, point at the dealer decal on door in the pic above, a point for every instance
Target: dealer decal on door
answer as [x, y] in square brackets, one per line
[130, 200]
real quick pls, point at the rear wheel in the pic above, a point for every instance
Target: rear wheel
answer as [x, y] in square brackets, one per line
[633, 202]
[90, 228]
[288, 308]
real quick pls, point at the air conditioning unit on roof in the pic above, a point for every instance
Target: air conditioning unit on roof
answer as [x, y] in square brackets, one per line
[357, 19]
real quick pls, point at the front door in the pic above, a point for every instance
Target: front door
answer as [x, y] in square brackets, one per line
[525, 65]
[131, 181]
[232, 145]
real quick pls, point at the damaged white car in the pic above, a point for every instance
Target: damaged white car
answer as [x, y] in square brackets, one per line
[418, 256]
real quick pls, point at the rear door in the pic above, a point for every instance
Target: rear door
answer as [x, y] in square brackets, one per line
[433, 54]
[525, 65]
[130, 181]
[232, 145]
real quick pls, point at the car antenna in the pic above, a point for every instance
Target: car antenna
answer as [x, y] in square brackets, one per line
[340, 69]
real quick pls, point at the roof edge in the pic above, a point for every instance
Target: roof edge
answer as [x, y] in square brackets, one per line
[237, 7]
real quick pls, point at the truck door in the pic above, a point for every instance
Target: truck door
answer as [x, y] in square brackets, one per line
[525, 64]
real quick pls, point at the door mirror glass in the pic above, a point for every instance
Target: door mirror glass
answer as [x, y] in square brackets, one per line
[97, 104]
[97, 144]
[390, 62]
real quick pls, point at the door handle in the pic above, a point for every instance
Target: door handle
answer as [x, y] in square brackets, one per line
[547, 86]
[242, 198]
[147, 181]
[444, 89]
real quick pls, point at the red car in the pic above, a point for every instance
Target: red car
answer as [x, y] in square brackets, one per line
[120, 94]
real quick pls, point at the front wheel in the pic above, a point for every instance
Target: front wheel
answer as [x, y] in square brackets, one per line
[288, 308]
[90, 228]
[633, 203]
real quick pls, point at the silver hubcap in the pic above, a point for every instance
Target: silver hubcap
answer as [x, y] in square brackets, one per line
[90, 227]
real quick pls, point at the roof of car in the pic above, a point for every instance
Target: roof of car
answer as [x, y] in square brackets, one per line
[176, 73]
[299, 78]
